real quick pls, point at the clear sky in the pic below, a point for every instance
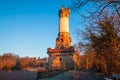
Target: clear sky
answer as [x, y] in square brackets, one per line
[29, 27]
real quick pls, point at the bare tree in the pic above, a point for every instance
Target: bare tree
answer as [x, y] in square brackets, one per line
[105, 42]
[24, 62]
[8, 61]
[1, 63]
[95, 7]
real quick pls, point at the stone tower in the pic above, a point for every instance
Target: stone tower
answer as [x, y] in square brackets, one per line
[64, 55]
[64, 40]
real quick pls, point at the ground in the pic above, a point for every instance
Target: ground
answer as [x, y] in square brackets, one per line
[18, 75]
[68, 75]
[77, 75]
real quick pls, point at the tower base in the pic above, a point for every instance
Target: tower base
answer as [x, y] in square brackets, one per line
[63, 59]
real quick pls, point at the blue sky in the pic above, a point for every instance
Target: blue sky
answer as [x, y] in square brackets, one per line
[29, 27]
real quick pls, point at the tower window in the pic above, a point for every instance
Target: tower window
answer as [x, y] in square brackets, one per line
[62, 40]
[60, 59]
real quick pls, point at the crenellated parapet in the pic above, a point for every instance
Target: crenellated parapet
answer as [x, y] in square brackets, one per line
[64, 12]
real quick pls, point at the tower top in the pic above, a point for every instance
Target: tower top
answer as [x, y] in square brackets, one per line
[64, 12]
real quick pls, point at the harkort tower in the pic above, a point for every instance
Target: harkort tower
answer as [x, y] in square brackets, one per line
[64, 55]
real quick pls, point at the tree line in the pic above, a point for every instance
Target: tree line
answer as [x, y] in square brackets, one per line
[100, 39]
[10, 61]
